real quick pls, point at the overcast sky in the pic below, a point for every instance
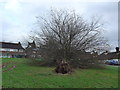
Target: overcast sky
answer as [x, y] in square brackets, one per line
[18, 17]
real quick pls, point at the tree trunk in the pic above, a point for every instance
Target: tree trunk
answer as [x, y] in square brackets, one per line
[63, 68]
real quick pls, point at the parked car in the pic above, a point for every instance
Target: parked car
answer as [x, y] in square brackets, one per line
[112, 62]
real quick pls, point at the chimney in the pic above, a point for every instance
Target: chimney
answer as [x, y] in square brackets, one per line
[117, 49]
[19, 43]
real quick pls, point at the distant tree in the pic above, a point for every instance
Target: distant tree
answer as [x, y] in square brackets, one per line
[65, 36]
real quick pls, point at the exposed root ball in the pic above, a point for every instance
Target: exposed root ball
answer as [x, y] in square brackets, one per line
[63, 67]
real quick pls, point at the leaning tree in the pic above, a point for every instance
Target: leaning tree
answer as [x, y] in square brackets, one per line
[65, 36]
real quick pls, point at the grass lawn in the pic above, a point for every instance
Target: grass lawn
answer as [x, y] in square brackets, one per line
[25, 76]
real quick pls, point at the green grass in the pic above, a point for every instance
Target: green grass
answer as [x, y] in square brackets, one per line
[25, 76]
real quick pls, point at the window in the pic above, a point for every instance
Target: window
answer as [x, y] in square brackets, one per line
[5, 49]
[21, 50]
[15, 50]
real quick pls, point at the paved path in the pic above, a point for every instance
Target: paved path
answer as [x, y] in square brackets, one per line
[114, 65]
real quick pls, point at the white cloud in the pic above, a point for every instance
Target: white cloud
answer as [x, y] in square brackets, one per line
[44, 1]
[19, 15]
[12, 5]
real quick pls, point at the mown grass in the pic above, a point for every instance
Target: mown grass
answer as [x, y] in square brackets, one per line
[25, 76]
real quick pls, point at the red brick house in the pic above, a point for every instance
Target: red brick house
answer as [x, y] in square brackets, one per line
[110, 55]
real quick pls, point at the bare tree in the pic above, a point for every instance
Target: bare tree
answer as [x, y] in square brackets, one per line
[66, 37]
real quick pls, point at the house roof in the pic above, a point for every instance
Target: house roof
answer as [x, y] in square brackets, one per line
[11, 45]
[31, 45]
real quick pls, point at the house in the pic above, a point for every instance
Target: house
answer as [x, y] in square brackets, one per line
[31, 50]
[104, 56]
[115, 54]
[110, 55]
[11, 50]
